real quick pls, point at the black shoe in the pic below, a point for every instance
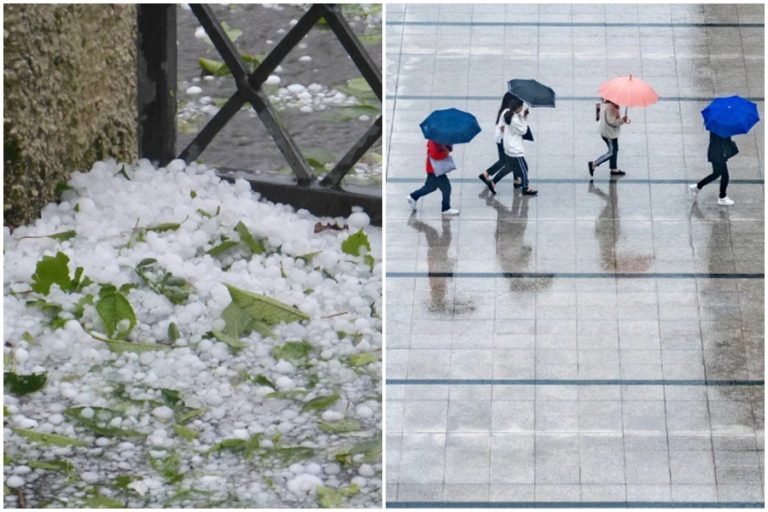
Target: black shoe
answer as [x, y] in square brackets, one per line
[617, 172]
[591, 168]
[530, 192]
[488, 183]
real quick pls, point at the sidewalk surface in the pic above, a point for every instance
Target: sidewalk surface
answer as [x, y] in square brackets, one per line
[600, 342]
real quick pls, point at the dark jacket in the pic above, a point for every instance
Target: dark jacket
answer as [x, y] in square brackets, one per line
[720, 148]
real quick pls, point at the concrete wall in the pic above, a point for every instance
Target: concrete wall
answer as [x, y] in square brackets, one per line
[69, 97]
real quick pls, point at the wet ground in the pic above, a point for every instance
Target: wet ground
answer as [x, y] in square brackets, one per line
[244, 143]
[600, 343]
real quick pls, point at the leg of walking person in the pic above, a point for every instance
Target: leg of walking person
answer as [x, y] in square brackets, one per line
[717, 169]
[499, 164]
[430, 185]
[614, 154]
[509, 167]
[724, 178]
[527, 190]
[444, 184]
[605, 156]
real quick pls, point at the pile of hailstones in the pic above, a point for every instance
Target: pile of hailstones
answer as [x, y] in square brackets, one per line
[172, 340]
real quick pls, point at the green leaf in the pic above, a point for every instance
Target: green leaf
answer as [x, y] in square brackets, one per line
[262, 380]
[50, 270]
[62, 187]
[321, 402]
[99, 501]
[64, 235]
[294, 351]
[54, 465]
[290, 394]
[222, 247]
[371, 449]
[168, 467]
[173, 332]
[99, 423]
[165, 226]
[26, 336]
[214, 67]
[185, 432]
[362, 359]
[121, 347]
[328, 497]
[265, 309]
[54, 439]
[171, 397]
[192, 194]
[290, 454]
[308, 257]
[175, 289]
[113, 308]
[256, 246]
[46, 307]
[24, 384]
[79, 310]
[188, 415]
[123, 172]
[340, 427]
[355, 242]
[245, 447]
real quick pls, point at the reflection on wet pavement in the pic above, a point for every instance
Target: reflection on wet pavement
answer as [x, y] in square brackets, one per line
[603, 342]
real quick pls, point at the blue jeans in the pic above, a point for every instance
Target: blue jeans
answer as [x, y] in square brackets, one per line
[433, 183]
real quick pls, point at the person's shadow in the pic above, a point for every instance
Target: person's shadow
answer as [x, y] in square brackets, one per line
[607, 225]
[438, 262]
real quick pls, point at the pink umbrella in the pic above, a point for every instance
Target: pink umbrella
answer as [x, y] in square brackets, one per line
[629, 91]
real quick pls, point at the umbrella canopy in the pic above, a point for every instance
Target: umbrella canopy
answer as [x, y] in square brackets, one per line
[730, 116]
[450, 126]
[532, 92]
[629, 91]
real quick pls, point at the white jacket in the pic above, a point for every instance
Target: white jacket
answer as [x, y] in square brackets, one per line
[513, 136]
[610, 121]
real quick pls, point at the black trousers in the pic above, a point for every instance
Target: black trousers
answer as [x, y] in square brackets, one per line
[719, 170]
[433, 183]
[500, 163]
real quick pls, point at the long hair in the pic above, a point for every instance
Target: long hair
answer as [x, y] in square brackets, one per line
[514, 104]
[508, 96]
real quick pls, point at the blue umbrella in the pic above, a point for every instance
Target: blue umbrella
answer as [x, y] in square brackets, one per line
[730, 116]
[450, 126]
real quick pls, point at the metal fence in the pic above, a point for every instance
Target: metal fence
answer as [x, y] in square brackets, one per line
[157, 107]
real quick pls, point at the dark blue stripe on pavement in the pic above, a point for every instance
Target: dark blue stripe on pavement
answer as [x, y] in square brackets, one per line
[579, 275]
[641, 181]
[422, 97]
[567, 24]
[575, 504]
[573, 382]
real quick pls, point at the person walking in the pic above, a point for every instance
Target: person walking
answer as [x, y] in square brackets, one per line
[486, 175]
[719, 151]
[434, 181]
[609, 128]
[515, 127]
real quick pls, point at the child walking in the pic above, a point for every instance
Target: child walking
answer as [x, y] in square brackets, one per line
[435, 151]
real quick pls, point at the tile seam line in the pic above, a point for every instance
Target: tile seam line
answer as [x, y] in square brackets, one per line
[573, 382]
[574, 504]
[628, 181]
[575, 275]
[440, 97]
[567, 24]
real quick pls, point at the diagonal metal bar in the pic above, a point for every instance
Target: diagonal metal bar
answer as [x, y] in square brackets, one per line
[221, 41]
[286, 44]
[209, 131]
[245, 92]
[333, 178]
[353, 47]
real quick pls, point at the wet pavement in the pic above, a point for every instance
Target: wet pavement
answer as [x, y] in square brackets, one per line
[601, 343]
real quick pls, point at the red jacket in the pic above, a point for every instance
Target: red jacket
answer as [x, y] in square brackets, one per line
[438, 152]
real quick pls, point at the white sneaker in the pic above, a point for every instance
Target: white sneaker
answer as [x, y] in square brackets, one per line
[451, 211]
[725, 201]
[411, 202]
[693, 189]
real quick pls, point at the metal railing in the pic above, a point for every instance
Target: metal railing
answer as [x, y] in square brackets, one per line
[157, 106]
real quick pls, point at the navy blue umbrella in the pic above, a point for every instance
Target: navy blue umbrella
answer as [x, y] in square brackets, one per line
[532, 92]
[450, 126]
[730, 116]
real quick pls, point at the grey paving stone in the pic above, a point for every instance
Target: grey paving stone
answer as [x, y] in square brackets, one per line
[692, 467]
